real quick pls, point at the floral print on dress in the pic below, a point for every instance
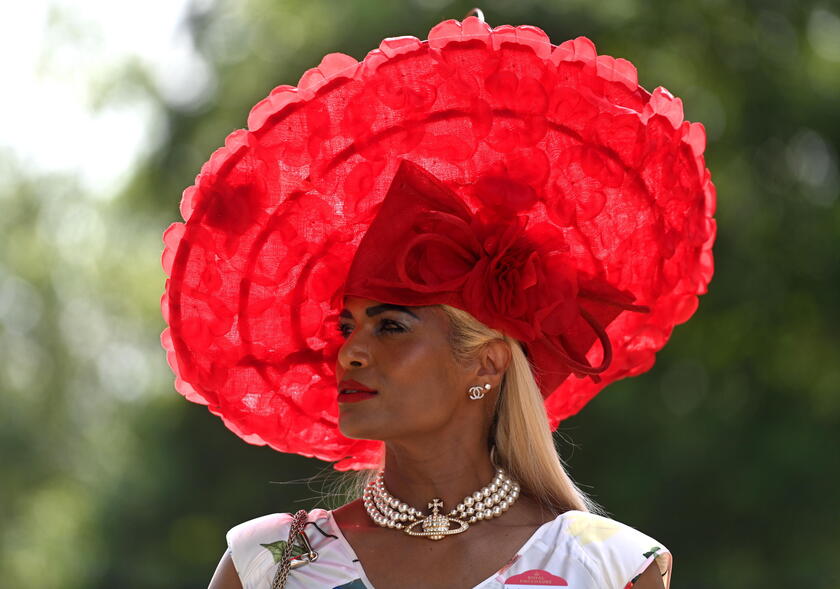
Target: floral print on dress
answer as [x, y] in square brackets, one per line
[576, 550]
[276, 549]
[648, 554]
[354, 584]
[586, 529]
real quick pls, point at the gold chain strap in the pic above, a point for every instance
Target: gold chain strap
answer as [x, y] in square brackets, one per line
[286, 564]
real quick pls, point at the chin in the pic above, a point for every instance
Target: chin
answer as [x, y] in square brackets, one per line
[356, 429]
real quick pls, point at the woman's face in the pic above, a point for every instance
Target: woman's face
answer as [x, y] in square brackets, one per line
[402, 353]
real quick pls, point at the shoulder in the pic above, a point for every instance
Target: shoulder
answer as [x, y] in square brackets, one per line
[255, 545]
[225, 576]
[618, 553]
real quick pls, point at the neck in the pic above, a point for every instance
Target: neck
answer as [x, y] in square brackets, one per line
[418, 474]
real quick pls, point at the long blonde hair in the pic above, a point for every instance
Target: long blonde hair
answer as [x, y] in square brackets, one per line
[523, 442]
[520, 433]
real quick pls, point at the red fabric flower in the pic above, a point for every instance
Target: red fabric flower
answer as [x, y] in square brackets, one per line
[426, 247]
[504, 279]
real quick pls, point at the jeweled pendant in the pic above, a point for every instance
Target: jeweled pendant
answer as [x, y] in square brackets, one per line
[436, 525]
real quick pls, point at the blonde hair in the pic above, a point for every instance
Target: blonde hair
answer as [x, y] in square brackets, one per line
[523, 442]
[520, 432]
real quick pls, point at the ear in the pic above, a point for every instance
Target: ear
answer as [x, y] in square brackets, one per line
[493, 362]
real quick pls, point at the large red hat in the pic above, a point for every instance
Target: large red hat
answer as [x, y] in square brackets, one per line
[540, 188]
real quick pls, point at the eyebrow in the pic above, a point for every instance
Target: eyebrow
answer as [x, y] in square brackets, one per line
[377, 309]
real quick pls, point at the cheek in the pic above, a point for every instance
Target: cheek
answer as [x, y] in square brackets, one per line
[422, 379]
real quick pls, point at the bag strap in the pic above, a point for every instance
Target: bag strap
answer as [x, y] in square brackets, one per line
[289, 562]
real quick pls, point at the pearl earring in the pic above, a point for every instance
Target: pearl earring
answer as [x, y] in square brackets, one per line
[478, 392]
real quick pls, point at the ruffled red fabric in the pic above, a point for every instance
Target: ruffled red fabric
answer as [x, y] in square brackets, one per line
[605, 179]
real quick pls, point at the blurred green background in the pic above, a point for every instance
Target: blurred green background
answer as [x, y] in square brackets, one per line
[726, 450]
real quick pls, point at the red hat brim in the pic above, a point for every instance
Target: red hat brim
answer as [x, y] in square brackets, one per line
[276, 215]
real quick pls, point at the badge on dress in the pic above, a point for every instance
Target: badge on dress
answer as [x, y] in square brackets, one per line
[535, 579]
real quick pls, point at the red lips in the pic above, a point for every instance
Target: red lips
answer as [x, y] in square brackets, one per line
[358, 392]
[346, 385]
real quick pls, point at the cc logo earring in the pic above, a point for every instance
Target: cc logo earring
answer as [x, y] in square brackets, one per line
[478, 392]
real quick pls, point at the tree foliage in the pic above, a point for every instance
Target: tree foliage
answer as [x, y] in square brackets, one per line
[725, 450]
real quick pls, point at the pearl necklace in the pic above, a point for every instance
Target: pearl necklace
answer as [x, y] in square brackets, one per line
[489, 502]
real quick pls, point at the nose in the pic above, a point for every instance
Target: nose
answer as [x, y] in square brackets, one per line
[353, 352]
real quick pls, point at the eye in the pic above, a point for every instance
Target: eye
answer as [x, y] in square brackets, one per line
[391, 326]
[385, 326]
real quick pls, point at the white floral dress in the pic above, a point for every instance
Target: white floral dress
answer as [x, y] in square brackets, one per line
[577, 550]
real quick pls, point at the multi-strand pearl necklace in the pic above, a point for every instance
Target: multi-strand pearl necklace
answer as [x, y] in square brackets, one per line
[489, 502]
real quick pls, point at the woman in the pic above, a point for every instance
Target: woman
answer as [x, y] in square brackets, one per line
[498, 228]
[421, 361]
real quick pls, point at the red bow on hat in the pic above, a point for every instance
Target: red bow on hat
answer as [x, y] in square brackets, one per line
[426, 247]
